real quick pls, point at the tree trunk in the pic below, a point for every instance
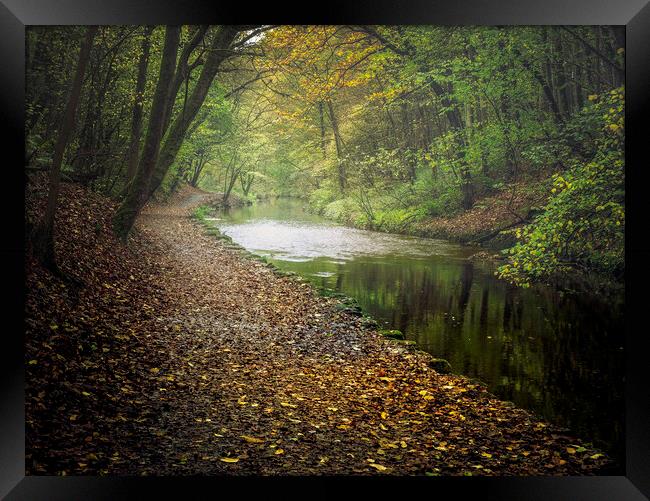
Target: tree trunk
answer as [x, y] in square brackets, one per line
[137, 195]
[246, 181]
[579, 93]
[339, 146]
[232, 173]
[217, 54]
[546, 88]
[43, 236]
[562, 84]
[182, 73]
[456, 124]
[198, 168]
[136, 121]
[322, 128]
[619, 37]
[87, 162]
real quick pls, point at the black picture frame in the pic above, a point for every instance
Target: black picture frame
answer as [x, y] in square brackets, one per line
[16, 14]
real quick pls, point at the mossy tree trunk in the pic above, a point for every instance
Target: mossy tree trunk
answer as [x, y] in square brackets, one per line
[43, 235]
[137, 194]
[218, 52]
[136, 121]
[182, 73]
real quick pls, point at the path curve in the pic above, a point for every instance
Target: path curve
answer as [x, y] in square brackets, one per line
[266, 377]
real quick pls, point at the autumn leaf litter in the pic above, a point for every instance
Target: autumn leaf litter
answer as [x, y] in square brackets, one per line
[179, 356]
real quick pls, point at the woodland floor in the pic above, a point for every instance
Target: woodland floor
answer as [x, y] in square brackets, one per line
[498, 211]
[179, 356]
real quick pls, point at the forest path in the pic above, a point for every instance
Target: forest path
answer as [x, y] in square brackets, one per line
[180, 356]
[266, 377]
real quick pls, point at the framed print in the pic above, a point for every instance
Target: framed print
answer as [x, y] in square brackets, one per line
[393, 245]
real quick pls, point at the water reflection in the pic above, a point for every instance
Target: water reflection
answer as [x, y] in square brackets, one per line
[556, 354]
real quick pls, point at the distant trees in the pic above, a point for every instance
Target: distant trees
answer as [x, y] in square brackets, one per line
[391, 125]
[378, 126]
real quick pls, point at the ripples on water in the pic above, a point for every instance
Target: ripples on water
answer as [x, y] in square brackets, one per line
[557, 354]
[305, 240]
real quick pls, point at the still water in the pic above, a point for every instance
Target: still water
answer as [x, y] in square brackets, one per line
[557, 354]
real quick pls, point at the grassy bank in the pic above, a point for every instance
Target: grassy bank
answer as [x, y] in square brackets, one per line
[489, 223]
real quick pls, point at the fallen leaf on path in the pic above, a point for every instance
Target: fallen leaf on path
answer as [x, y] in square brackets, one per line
[252, 440]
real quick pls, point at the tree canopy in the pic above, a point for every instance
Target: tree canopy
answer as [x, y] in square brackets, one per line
[391, 128]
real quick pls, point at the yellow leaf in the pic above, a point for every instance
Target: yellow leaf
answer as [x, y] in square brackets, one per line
[85, 393]
[33, 362]
[403, 444]
[570, 450]
[378, 466]
[384, 415]
[287, 404]
[279, 451]
[73, 417]
[229, 460]
[252, 440]
[486, 455]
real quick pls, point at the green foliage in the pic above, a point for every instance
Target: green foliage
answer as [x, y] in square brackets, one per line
[396, 220]
[447, 202]
[201, 212]
[584, 222]
[320, 198]
[343, 210]
[381, 127]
